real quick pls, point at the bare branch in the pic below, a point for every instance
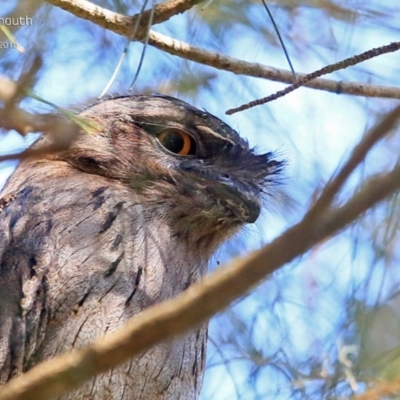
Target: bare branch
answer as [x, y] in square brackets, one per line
[59, 131]
[198, 303]
[241, 67]
[348, 62]
[12, 117]
[122, 25]
[357, 156]
[24, 122]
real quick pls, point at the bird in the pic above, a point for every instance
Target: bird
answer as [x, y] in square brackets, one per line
[124, 218]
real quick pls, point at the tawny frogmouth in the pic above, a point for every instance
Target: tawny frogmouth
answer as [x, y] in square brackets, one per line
[125, 218]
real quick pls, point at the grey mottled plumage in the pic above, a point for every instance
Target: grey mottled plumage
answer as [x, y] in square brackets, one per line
[92, 235]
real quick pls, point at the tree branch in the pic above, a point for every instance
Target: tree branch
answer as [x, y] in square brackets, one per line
[357, 156]
[348, 62]
[60, 132]
[122, 25]
[198, 303]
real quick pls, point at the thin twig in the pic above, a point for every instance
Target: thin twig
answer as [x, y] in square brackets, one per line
[271, 17]
[125, 51]
[348, 62]
[145, 43]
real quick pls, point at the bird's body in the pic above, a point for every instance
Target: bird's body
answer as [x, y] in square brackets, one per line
[93, 235]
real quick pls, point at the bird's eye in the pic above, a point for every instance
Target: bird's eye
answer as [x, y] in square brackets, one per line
[177, 141]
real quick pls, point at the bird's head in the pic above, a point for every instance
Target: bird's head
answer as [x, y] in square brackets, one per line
[186, 166]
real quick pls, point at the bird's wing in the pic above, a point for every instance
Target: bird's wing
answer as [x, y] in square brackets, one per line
[22, 292]
[60, 244]
[78, 257]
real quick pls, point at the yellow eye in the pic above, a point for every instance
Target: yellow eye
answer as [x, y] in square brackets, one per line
[177, 141]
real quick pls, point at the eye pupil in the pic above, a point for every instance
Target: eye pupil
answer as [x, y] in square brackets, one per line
[177, 142]
[173, 142]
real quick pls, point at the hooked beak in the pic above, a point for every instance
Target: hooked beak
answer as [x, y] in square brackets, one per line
[242, 200]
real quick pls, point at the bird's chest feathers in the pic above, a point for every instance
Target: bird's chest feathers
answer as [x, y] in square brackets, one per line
[120, 257]
[169, 264]
[97, 254]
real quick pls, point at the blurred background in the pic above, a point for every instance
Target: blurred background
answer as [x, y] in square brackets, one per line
[327, 325]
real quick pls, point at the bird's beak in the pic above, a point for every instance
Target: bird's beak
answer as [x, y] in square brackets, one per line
[242, 199]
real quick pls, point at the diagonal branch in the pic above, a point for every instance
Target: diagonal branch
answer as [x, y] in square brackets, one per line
[348, 62]
[198, 303]
[122, 25]
[357, 156]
